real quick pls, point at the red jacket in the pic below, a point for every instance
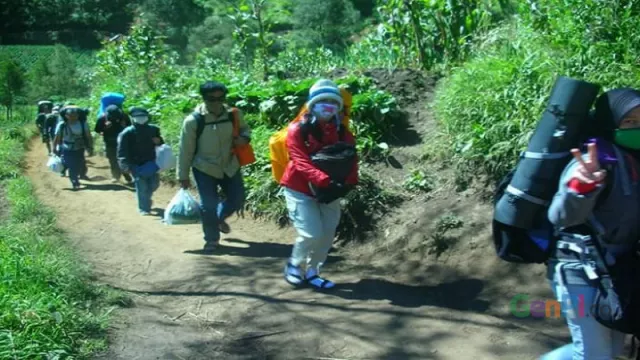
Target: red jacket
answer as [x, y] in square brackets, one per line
[300, 170]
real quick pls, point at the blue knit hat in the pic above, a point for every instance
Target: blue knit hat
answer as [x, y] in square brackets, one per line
[324, 90]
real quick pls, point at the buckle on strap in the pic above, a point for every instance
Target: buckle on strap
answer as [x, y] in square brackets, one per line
[585, 247]
[565, 245]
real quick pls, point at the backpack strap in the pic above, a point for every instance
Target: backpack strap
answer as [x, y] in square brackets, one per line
[200, 121]
[199, 128]
[85, 129]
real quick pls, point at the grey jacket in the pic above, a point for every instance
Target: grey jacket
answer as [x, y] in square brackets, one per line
[618, 212]
[214, 147]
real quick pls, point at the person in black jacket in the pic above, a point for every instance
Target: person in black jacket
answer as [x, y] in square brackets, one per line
[44, 111]
[137, 155]
[110, 125]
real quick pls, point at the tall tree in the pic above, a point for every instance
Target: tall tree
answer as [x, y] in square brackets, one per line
[327, 22]
[12, 82]
[173, 18]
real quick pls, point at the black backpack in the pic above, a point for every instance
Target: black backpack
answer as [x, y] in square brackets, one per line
[519, 245]
[533, 246]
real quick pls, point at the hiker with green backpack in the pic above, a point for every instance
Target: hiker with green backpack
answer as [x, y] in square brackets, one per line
[207, 142]
[586, 223]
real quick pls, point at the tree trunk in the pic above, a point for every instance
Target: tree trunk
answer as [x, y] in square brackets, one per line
[257, 11]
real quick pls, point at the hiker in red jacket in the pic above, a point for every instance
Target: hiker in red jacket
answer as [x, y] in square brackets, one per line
[312, 186]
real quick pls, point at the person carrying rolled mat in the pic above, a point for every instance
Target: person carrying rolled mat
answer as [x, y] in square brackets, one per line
[110, 125]
[312, 195]
[600, 186]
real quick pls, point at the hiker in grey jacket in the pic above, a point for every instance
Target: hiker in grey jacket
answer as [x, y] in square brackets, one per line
[588, 191]
[212, 160]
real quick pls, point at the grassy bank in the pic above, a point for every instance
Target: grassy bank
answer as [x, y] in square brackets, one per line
[489, 106]
[48, 309]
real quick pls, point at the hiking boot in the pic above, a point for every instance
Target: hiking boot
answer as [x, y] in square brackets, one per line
[209, 247]
[224, 227]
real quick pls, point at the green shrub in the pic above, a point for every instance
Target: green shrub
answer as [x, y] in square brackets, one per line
[489, 106]
[48, 309]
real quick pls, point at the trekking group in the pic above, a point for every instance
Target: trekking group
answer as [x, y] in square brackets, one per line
[572, 202]
[310, 158]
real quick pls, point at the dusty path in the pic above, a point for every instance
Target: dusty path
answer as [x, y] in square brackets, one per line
[235, 305]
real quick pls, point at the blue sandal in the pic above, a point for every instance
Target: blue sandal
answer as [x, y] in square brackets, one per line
[314, 279]
[293, 274]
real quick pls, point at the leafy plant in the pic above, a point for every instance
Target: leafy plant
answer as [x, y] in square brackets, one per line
[418, 182]
[434, 32]
[441, 240]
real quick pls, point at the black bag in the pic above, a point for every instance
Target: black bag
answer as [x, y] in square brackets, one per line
[337, 161]
[517, 245]
[617, 301]
[521, 231]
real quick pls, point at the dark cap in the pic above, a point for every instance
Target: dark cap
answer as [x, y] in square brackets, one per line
[614, 105]
[113, 112]
[138, 111]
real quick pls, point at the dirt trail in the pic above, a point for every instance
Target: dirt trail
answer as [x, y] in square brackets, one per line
[235, 304]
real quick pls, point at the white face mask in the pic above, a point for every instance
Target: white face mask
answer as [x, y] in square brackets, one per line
[324, 110]
[141, 120]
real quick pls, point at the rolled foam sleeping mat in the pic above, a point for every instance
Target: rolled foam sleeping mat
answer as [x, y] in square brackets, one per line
[526, 199]
[110, 98]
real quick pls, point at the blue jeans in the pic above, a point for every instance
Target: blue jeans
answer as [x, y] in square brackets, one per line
[591, 340]
[74, 161]
[212, 210]
[145, 186]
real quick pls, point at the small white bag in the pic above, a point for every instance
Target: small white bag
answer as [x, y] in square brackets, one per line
[165, 158]
[55, 164]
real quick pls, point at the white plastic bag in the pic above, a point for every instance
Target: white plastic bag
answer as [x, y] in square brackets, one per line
[165, 158]
[55, 164]
[183, 209]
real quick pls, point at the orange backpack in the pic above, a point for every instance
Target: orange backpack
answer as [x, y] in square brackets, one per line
[244, 153]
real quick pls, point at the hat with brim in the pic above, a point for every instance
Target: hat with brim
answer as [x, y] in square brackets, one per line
[138, 112]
